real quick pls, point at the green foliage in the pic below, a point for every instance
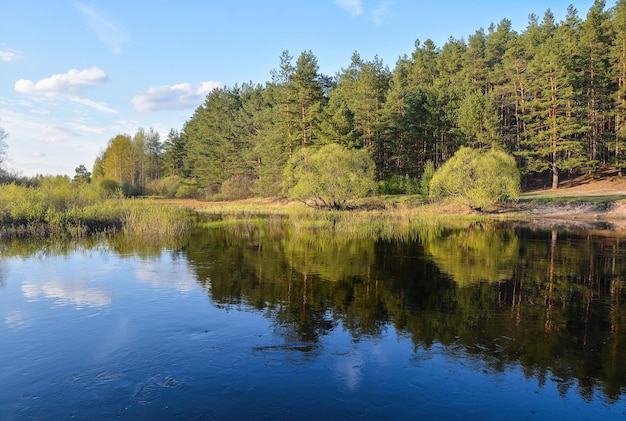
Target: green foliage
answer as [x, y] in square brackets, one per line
[330, 176]
[427, 176]
[82, 175]
[55, 205]
[397, 184]
[353, 112]
[188, 190]
[165, 187]
[131, 190]
[61, 207]
[110, 186]
[134, 160]
[213, 149]
[481, 179]
[237, 187]
[479, 121]
[173, 154]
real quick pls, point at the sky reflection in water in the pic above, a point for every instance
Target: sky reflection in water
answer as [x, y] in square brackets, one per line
[241, 325]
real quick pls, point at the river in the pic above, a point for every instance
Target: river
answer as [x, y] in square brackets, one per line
[259, 321]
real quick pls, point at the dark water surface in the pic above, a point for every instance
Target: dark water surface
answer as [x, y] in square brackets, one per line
[256, 321]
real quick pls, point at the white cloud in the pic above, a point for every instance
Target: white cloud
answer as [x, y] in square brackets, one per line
[175, 97]
[381, 12]
[100, 106]
[107, 32]
[66, 138]
[354, 7]
[9, 55]
[70, 83]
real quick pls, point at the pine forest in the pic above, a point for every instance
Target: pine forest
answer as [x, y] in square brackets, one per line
[553, 96]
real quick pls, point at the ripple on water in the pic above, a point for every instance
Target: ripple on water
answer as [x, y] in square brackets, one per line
[149, 391]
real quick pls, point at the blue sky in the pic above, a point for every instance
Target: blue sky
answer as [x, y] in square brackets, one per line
[74, 74]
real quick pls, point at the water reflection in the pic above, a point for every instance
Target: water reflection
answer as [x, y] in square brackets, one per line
[550, 303]
[67, 293]
[16, 320]
[166, 274]
[478, 253]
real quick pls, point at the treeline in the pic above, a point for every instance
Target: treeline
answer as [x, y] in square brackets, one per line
[554, 96]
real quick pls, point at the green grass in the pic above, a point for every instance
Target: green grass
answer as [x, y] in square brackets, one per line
[147, 220]
[387, 217]
[61, 208]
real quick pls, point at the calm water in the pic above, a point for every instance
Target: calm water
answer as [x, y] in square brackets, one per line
[259, 322]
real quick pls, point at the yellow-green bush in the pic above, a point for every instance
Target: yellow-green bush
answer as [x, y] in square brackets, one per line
[479, 178]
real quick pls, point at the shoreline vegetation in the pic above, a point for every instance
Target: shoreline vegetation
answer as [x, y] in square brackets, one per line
[585, 203]
[62, 208]
[450, 134]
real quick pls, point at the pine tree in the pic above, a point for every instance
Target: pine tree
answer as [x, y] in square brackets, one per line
[479, 120]
[174, 152]
[619, 71]
[308, 96]
[475, 67]
[596, 39]
[553, 125]
[210, 139]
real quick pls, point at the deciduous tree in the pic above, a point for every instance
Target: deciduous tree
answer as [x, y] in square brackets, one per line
[330, 176]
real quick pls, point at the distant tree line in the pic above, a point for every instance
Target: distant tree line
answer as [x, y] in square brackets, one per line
[553, 96]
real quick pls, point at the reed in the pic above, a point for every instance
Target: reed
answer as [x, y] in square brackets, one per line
[147, 220]
[400, 221]
[61, 208]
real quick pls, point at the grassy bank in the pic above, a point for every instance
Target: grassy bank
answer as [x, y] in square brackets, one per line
[61, 208]
[587, 200]
[381, 217]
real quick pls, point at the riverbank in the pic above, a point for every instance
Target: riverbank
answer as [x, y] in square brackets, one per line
[581, 202]
[584, 203]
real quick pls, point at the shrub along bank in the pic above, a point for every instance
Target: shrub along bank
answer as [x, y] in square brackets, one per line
[58, 206]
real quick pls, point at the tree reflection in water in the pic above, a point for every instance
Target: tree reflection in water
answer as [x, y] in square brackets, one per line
[551, 301]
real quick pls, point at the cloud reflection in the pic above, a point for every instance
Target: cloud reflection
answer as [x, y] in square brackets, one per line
[168, 275]
[67, 294]
[15, 320]
[348, 369]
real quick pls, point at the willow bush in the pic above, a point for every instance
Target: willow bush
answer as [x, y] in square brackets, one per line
[481, 179]
[330, 176]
